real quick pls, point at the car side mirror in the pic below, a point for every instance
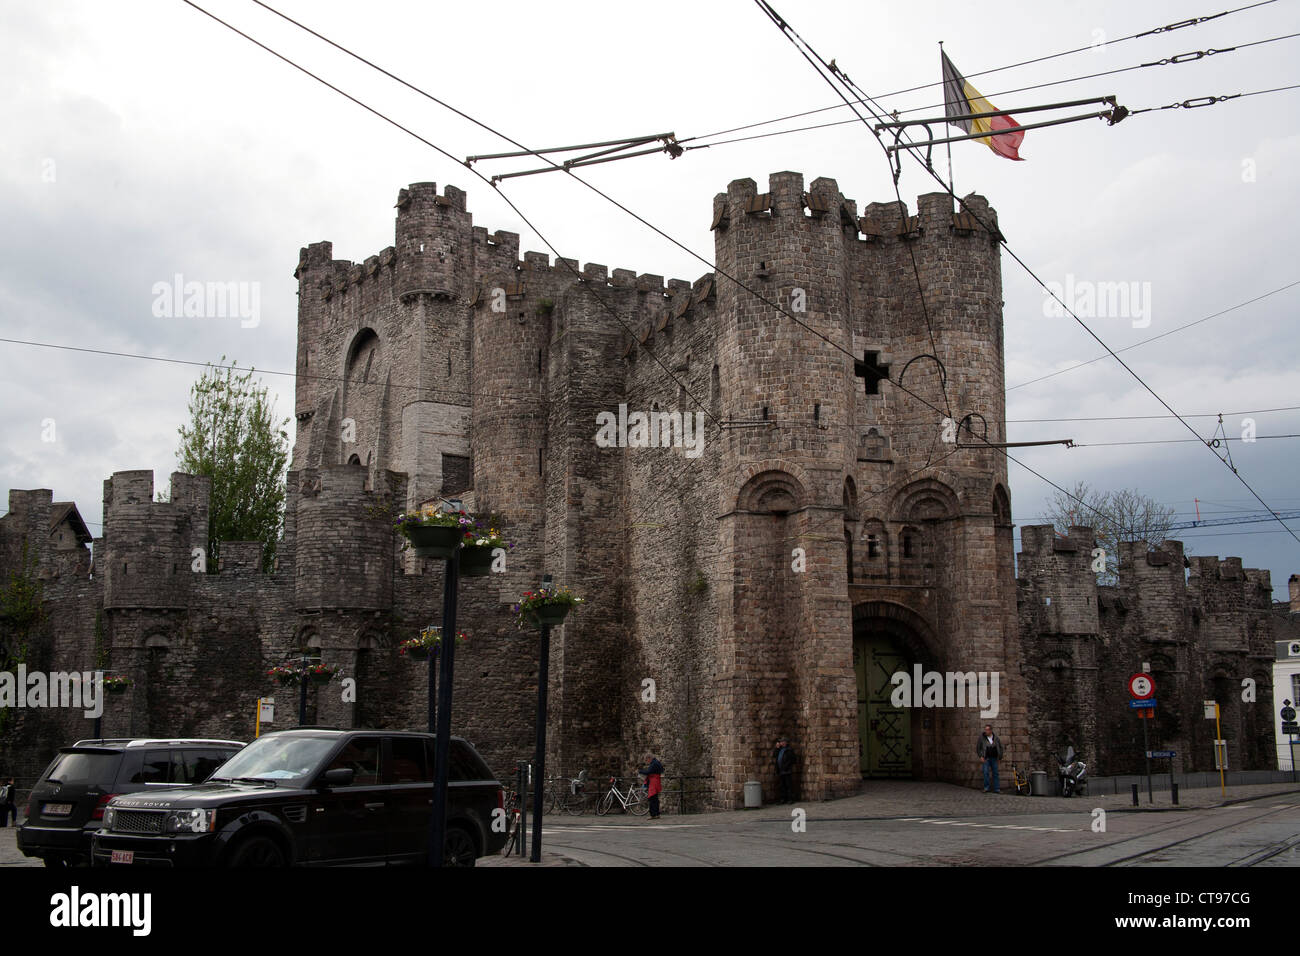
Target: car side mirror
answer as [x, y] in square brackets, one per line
[338, 777]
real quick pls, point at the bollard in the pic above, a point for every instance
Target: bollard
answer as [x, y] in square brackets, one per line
[1135, 794]
[1173, 788]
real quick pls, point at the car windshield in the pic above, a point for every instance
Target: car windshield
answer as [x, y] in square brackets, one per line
[276, 758]
[83, 769]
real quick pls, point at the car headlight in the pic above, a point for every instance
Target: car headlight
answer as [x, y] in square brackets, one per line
[190, 821]
[110, 817]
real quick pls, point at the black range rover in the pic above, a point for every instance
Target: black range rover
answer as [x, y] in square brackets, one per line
[311, 797]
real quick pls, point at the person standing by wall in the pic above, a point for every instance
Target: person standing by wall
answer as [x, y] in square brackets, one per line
[653, 773]
[785, 761]
[989, 749]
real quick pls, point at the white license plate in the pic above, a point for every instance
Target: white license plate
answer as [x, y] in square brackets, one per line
[57, 809]
[122, 856]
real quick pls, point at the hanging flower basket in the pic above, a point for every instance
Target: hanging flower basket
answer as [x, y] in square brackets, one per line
[481, 540]
[323, 673]
[430, 639]
[433, 541]
[117, 684]
[546, 606]
[476, 561]
[433, 534]
[284, 675]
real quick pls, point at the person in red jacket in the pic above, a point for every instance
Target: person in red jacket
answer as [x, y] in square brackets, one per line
[653, 773]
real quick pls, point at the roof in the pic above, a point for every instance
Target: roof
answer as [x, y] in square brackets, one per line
[67, 511]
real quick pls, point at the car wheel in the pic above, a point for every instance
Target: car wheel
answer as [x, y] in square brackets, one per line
[257, 851]
[458, 848]
[55, 862]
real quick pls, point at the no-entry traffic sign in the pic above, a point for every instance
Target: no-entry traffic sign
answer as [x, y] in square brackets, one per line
[1141, 686]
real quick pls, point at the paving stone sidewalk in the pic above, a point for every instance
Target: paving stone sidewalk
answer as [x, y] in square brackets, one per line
[885, 799]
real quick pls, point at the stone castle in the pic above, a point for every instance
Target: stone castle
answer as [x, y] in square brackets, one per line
[846, 518]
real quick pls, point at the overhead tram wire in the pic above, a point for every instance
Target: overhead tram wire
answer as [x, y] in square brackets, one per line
[1191, 57]
[1194, 21]
[847, 122]
[595, 189]
[443, 152]
[1153, 338]
[310, 376]
[819, 64]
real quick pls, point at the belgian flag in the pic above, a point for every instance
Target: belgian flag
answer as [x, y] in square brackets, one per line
[959, 97]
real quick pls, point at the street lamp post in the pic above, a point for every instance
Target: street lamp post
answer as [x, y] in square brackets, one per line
[442, 744]
[539, 757]
[303, 660]
[442, 702]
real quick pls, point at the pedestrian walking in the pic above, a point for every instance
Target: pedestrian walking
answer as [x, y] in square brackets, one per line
[989, 749]
[653, 773]
[785, 759]
[7, 807]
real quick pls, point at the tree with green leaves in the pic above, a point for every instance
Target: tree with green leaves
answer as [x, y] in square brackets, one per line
[233, 438]
[1115, 516]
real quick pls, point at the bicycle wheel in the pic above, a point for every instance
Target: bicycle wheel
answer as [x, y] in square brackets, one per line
[605, 803]
[638, 802]
[510, 835]
[575, 803]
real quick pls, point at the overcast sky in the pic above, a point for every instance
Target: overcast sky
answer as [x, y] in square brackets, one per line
[143, 140]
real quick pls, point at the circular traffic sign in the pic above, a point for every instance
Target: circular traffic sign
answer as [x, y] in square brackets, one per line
[1288, 714]
[1141, 686]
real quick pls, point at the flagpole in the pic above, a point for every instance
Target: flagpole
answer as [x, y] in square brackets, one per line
[953, 199]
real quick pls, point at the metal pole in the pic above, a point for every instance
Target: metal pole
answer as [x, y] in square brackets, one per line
[1222, 755]
[521, 832]
[438, 818]
[539, 760]
[951, 190]
[1292, 736]
[302, 692]
[433, 688]
[1146, 749]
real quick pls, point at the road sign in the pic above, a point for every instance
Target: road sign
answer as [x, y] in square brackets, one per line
[1147, 712]
[1141, 686]
[1291, 728]
[1142, 704]
[266, 712]
[1161, 754]
[1220, 755]
[1288, 714]
[1211, 710]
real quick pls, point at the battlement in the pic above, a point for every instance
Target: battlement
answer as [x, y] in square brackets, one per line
[1041, 540]
[22, 502]
[419, 196]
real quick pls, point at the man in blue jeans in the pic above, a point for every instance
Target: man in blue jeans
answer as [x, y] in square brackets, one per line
[990, 751]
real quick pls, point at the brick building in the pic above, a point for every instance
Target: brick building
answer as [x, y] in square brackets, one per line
[845, 518]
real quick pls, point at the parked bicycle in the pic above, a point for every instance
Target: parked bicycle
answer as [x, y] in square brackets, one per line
[514, 833]
[634, 801]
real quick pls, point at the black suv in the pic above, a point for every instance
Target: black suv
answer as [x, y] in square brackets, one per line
[312, 797]
[68, 802]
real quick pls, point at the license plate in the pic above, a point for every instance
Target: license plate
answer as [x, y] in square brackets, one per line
[122, 856]
[57, 809]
